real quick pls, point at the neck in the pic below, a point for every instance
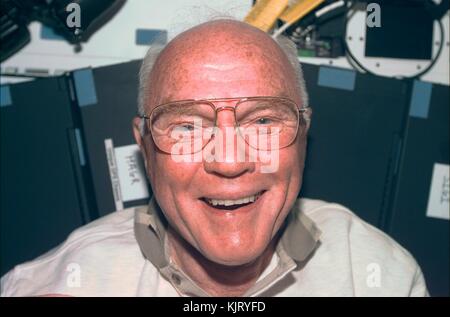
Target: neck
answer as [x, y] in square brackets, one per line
[214, 278]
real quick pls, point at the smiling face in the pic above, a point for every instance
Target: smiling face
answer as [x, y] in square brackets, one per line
[223, 59]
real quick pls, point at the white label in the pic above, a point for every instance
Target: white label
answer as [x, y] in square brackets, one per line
[131, 171]
[438, 206]
[113, 173]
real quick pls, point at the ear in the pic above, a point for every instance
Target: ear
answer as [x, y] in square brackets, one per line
[139, 138]
[307, 115]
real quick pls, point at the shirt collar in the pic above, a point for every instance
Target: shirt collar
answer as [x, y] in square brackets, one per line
[298, 241]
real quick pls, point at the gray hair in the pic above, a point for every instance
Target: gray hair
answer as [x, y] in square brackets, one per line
[287, 46]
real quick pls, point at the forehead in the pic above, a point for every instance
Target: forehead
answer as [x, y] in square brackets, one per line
[221, 71]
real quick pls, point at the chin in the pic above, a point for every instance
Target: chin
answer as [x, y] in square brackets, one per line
[233, 259]
[235, 255]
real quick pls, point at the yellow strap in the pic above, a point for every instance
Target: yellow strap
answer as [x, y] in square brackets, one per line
[265, 12]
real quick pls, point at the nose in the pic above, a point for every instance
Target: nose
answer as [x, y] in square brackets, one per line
[229, 169]
[227, 155]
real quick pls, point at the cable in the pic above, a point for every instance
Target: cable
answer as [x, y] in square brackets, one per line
[329, 8]
[283, 28]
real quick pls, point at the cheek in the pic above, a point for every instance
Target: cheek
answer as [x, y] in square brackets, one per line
[291, 162]
[171, 175]
[171, 183]
[289, 178]
[163, 170]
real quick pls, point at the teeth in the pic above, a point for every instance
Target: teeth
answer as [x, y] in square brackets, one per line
[228, 202]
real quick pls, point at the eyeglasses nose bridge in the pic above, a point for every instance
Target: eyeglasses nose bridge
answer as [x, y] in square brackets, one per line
[224, 108]
[218, 109]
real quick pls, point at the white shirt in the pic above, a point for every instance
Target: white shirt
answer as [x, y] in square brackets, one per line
[325, 251]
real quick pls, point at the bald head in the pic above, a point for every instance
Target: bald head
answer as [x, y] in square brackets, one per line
[218, 59]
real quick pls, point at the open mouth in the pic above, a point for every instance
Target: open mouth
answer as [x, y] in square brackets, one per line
[231, 204]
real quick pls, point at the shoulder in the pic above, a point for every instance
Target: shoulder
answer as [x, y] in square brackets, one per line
[338, 224]
[94, 251]
[349, 241]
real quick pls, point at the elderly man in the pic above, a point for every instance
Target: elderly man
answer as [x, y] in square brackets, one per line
[224, 220]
